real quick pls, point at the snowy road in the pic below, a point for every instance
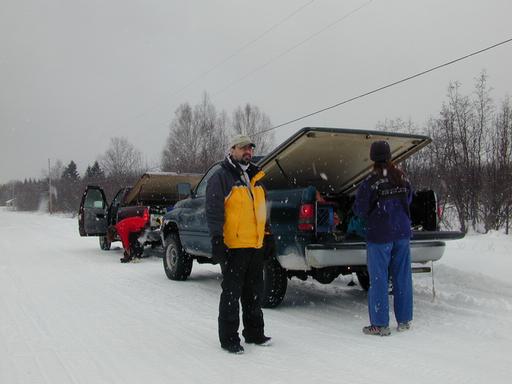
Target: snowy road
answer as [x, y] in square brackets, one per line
[71, 313]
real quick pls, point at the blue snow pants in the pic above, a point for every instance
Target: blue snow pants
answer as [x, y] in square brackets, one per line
[395, 258]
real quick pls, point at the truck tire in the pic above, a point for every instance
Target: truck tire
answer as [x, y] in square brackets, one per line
[364, 279]
[104, 243]
[177, 263]
[274, 284]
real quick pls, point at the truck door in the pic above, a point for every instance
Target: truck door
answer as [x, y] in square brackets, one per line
[194, 233]
[117, 202]
[92, 216]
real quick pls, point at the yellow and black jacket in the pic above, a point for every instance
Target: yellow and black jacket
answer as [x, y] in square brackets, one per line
[234, 210]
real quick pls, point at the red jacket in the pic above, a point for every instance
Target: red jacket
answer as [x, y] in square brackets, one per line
[130, 225]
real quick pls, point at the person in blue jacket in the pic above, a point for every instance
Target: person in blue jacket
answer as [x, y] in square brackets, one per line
[383, 201]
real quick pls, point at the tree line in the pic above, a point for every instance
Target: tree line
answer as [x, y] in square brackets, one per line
[469, 162]
[198, 136]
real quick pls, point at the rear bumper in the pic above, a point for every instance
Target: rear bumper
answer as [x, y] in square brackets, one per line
[354, 254]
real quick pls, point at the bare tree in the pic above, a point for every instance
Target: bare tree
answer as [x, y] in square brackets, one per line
[197, 138]
[456, 168]
[479, 135]
[496, 197]
[122, 164]
[212, 133]
[250, 121]
[121, 160]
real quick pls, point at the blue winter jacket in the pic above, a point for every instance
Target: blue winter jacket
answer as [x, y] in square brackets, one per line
[385, 207]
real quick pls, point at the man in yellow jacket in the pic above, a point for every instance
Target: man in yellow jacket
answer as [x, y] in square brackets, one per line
[236, 213]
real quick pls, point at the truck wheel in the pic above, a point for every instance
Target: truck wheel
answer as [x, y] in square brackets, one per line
[104, 243]
[177, 263]
[274, 284]
[364, 279]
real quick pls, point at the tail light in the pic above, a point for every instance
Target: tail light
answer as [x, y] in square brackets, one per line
[307, 217]
[145, 215]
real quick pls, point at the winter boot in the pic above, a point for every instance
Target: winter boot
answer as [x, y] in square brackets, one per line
[403, 326]
[234, 348]
[263, 340]
[376, 330]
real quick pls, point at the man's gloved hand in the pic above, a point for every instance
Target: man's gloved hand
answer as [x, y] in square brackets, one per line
[219, 249]
[269, 247]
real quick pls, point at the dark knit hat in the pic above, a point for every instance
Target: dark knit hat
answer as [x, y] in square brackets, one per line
[380, 151]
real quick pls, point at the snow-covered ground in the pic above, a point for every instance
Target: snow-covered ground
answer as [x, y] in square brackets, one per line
[71, 313]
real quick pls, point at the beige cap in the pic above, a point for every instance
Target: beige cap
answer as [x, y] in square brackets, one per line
[241, 140]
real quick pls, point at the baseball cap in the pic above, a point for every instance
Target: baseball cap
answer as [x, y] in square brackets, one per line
[241, 140]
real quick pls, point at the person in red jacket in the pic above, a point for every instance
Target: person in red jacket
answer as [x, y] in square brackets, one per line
[129, 230]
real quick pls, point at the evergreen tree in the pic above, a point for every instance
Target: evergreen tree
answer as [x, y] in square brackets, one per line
[68, 197]
[70, 173]
[95, 172]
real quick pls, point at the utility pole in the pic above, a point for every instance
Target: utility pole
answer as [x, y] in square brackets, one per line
[49, 188]
[507, 218]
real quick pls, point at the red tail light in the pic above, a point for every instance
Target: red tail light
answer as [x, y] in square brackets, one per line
[307, 217]
[145, 215]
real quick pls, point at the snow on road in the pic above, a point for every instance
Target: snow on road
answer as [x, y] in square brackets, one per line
[71, 313]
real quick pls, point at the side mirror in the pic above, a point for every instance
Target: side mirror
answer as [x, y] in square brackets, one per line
[184, 190]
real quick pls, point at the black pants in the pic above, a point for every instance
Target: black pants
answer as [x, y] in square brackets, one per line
[242, 280]
[136, 249]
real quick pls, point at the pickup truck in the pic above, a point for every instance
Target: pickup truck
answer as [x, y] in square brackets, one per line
[311, 178]
[156, 192]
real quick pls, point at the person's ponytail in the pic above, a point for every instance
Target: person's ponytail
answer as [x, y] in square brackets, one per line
[395, 174]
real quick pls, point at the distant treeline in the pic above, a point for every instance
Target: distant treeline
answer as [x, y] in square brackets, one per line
[198, 136]
[468, 164]
[65, 188]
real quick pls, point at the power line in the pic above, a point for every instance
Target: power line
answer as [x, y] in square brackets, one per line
[243, 77]
[235, 53]
[389, 85]
[243, 47]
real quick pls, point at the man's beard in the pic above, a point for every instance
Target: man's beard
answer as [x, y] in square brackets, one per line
[245, 160]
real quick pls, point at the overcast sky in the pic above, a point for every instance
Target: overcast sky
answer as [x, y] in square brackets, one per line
[74, 73]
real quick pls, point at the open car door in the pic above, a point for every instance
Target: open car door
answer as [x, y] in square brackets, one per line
[92, 216]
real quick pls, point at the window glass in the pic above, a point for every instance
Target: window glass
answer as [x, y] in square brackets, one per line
[201, 188]
[94, 199]
[120, 196]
